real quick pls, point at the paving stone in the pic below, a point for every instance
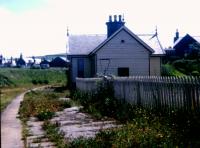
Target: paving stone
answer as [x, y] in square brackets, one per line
[72, 123]
[75, 124]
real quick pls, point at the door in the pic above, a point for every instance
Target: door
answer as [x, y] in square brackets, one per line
[80, 68]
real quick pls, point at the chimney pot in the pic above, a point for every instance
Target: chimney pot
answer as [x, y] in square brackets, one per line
[110, 18]
[114, 25]
[115, 18]
[120, 18]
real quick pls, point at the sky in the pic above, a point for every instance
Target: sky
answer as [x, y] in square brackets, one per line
[39, 27]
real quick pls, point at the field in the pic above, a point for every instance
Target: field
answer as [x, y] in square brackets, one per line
[14, 80]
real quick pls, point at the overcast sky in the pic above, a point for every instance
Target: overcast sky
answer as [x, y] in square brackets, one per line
[38, 27]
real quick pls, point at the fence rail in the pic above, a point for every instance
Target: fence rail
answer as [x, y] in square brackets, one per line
[151, 91]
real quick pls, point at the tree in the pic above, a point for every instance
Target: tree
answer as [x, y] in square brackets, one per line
[195, 51]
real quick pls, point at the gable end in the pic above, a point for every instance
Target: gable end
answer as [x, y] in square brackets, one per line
[116, 33]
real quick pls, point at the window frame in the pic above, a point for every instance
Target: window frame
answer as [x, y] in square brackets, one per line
[123, 71]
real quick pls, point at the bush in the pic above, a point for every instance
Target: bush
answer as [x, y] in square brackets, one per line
[187, 66]
[45, 82]
[103, 103]
[45, 115]
[169, 70]
[35, 82]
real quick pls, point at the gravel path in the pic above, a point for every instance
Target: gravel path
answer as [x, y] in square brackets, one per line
[11, 126]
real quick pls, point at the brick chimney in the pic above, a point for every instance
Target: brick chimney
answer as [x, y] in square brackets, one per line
[114, 25]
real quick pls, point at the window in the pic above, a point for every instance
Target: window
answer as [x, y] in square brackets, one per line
[80, 68]
[123, 71]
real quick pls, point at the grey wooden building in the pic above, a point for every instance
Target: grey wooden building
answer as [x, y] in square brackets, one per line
[119, 53]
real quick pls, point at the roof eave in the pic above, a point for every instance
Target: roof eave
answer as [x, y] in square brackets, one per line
[77, 55]
[158, 55]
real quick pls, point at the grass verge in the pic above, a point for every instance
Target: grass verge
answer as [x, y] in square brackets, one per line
[7, 95]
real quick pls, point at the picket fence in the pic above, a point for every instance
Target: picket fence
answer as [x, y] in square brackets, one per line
[168, 93]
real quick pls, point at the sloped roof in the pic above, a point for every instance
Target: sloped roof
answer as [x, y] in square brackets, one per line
[197, 38]
[154, 42]
[58, 62]
[44, 62]
[86, 44]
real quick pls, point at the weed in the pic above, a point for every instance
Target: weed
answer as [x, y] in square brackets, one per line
[52, 132]
[42, 104]
[45, 115]
[143, 127]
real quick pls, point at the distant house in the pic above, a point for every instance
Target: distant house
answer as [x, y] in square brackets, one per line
[119, 53]
[44, 64]
[182, 45]
[58, 62]
[20, 62]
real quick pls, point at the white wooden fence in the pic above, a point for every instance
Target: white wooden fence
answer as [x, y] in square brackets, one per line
[152, 91]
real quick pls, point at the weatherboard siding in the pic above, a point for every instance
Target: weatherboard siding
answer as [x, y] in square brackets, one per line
[130, 54]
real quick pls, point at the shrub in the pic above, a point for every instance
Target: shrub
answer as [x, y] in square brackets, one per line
[40, 81]
[46, 82]
[186, 66]
[169, 70]
[45, 115]
[103, 103]
[35, 82]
